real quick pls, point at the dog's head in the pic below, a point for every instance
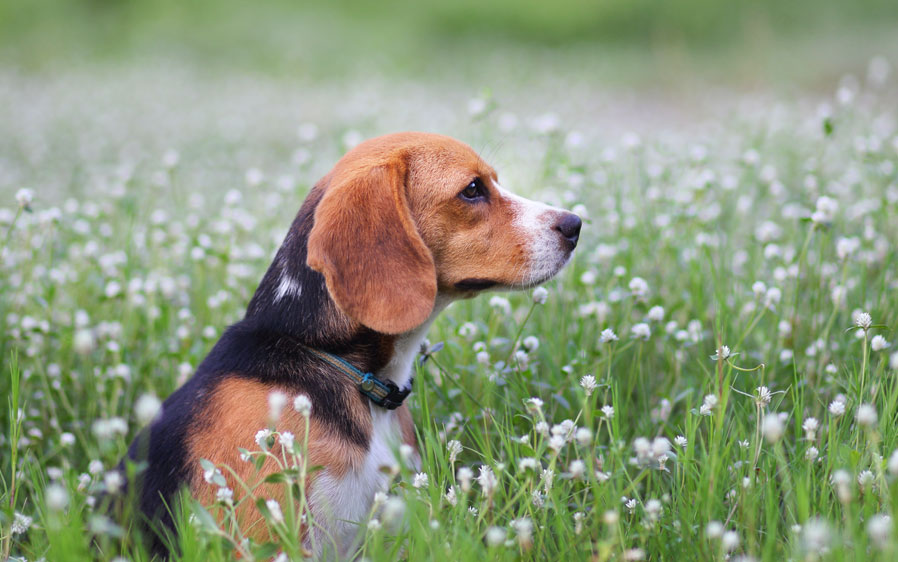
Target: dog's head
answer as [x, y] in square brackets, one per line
[408, 215]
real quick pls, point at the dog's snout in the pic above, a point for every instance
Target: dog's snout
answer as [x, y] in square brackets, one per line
[569, 227]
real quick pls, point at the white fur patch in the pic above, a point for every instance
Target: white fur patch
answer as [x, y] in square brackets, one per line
[340, 505]
[534, 220]
[287, 287]
[401, 365]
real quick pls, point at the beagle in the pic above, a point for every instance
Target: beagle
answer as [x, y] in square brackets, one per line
[400, 227]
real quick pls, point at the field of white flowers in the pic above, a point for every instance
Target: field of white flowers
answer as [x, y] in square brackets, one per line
[713, 376]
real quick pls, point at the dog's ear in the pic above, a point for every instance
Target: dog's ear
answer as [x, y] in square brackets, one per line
[364, 241]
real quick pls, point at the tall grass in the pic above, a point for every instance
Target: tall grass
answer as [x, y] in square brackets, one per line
[542, 435]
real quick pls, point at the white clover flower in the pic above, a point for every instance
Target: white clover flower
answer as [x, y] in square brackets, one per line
[865, 478]
[577, 468]
[634, 554]
[483, 357]
[276, 402]
[502, 304]
[642, 447]
[421, 480]
[147, 408]
[893, 361]
[812, 453]
[531, 343]
[534, 405]
[866, 415]
[454, 448]
[878, 343]
[451, 496]
[837, 408]
[114, 481]
[527, 463]
[723, 352]
[523, 528]
[846, 246]
[20, 524]
[810, 426]
[656, 314]
[274, 508]
[287, 440]
[224, 495]
[730, 541]
[653, 509]
[588, 382]
[583, 436]
[211, 474]
[547, 476]
[660, 447]
[863, 321]
[467, 330]
[556, 443]
[638, 287]
[487, 480]
[709, 403]
[842, 482]
[610, 517]
[303, 405]
[608, 411]
[641, 331]
[714, 529]
[816, 535]
[772, 428]
[538, 499]
[826, 210]
[773, 297]
[607, 336]
[57, 497]
[540, 295]
[113, 289]
[495, 536]
[759, 288]
[24, 197]
[879, 527]
[170, 159]
[764, 396]
[681, 441]
[261, 438]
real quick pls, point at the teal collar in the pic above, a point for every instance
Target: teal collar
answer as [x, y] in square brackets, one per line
[384, 393]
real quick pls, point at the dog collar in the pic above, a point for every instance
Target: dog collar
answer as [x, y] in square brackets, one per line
[383, 393]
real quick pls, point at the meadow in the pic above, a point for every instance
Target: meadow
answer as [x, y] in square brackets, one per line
[712, 377]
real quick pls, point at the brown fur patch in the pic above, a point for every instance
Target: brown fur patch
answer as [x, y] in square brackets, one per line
[238, 409]
[390, 221]
[364, 242]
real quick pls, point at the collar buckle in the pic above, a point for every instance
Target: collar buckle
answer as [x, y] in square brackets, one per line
[383, 393]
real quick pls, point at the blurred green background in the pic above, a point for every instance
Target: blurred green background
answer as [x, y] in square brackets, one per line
[642, 40]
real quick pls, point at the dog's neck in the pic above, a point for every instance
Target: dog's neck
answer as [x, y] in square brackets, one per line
[292, 300]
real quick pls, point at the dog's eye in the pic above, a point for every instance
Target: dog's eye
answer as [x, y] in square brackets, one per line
[474, 191]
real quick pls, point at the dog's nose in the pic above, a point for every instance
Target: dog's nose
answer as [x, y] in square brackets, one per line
[569, 227]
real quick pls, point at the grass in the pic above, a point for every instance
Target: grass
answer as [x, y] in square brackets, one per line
[158, 205]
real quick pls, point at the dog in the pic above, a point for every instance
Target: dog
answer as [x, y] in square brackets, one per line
[403, 225]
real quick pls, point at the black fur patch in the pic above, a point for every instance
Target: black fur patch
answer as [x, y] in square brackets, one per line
[475, 284]
[265, 346]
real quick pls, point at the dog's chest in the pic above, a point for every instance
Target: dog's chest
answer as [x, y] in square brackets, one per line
[341, 502]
